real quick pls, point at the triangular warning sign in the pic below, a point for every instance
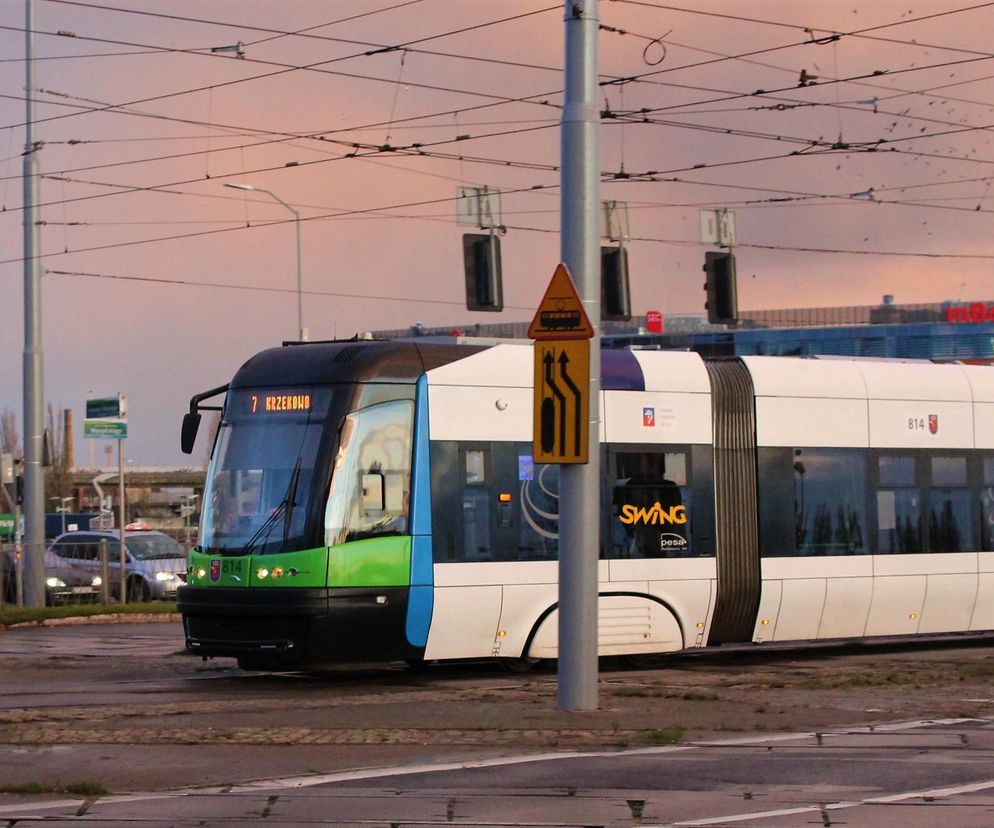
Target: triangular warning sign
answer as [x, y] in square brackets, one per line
[560, 314]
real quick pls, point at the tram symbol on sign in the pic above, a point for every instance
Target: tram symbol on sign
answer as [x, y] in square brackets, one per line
[560, 314]
[562, 376]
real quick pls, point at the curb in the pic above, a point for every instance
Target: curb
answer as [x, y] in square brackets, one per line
[103, 618]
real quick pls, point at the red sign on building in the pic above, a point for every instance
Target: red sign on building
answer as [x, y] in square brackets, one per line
[974, 312]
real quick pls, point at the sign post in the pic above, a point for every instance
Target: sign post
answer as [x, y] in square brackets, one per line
[561, 434]
[107, 419]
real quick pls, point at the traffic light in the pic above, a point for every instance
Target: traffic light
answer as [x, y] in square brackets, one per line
[19, 480]
[616, 303]
[722, 302]
[481, 256]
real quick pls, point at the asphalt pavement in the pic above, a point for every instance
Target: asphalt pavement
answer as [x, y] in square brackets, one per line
[899, 736]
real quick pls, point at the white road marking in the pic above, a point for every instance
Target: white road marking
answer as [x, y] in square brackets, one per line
[935, 793]
[361, 774]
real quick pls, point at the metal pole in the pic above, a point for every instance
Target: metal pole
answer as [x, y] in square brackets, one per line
[19, 559]
[104, 573]
[300, 292]
[579, 504]
[34, 426]
[121, 513]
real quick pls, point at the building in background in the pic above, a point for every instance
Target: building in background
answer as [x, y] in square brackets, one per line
[941, 331]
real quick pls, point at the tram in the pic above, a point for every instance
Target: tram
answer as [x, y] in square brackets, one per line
[379, 501]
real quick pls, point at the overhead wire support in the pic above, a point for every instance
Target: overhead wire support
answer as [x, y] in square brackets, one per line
[34, 474]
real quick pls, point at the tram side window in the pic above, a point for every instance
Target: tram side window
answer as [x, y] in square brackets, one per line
[475, 505]
[490, 502]
[987, 506]
[651, 505]
[949, 506]
[371, 479]
[538, 507]
[829, 501]
[899, 507]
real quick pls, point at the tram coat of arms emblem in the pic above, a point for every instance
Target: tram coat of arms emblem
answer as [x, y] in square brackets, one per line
[933, 423]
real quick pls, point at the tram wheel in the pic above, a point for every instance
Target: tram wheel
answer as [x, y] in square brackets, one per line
[641, 661]
[519, 665]
[255, 663]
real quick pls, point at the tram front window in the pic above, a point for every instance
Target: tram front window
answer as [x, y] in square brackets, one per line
[260, 482]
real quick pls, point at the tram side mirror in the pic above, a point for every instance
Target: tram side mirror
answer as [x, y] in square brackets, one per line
[188, 435]
[373, 492]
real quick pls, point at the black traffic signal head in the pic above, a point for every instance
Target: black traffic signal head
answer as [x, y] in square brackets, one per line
[722, 300]
[616, 303]
[481, 256]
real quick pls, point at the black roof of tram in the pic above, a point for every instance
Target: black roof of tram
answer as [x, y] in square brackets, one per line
[318, 363]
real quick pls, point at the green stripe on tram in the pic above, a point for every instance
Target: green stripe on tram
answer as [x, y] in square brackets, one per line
[306, 568]
[383, 561]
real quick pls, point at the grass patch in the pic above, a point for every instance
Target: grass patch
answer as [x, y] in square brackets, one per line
[19, 615]
[82, 788]
[664, 693]
[666, 736]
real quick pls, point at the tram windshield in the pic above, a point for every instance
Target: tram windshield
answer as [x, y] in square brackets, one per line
[260, 483]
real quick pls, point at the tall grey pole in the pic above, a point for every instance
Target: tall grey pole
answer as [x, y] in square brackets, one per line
[302, 331]
[34, 427]
[579, 494]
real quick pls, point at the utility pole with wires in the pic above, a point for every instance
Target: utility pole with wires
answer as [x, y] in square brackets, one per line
[34, 422]
[579, 504]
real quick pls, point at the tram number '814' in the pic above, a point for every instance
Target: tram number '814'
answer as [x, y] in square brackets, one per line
[929, 423]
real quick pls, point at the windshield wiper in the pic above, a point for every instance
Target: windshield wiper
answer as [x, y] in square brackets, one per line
[290, 501]
[283, 509]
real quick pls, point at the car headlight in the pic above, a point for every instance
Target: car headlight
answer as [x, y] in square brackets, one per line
[54, 582]
[97, 581]
[164, 576]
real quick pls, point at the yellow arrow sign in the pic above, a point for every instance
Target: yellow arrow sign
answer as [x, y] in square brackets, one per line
[562, 401]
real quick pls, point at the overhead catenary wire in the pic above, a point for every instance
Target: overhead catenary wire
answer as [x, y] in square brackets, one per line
[439, 155]
[224, 149]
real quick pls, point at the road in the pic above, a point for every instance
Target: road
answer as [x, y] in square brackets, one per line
[855, 736]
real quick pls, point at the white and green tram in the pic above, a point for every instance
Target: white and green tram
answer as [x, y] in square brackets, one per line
[379, 501]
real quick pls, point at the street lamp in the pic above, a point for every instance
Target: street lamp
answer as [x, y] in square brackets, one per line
[300, 302]
[62, 508]
[187, 507]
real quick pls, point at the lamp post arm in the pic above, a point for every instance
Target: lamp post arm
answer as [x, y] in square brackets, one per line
[302, 333]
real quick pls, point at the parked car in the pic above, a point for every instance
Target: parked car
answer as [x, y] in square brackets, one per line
[64, 582]
[155, 563]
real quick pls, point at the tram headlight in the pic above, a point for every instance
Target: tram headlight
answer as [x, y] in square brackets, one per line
[262, 574]
[277, 572]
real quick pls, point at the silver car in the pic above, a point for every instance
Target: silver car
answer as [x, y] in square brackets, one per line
[155, 564]
[64, 582]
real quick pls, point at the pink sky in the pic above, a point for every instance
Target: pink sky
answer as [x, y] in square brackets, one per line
[161, 320]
